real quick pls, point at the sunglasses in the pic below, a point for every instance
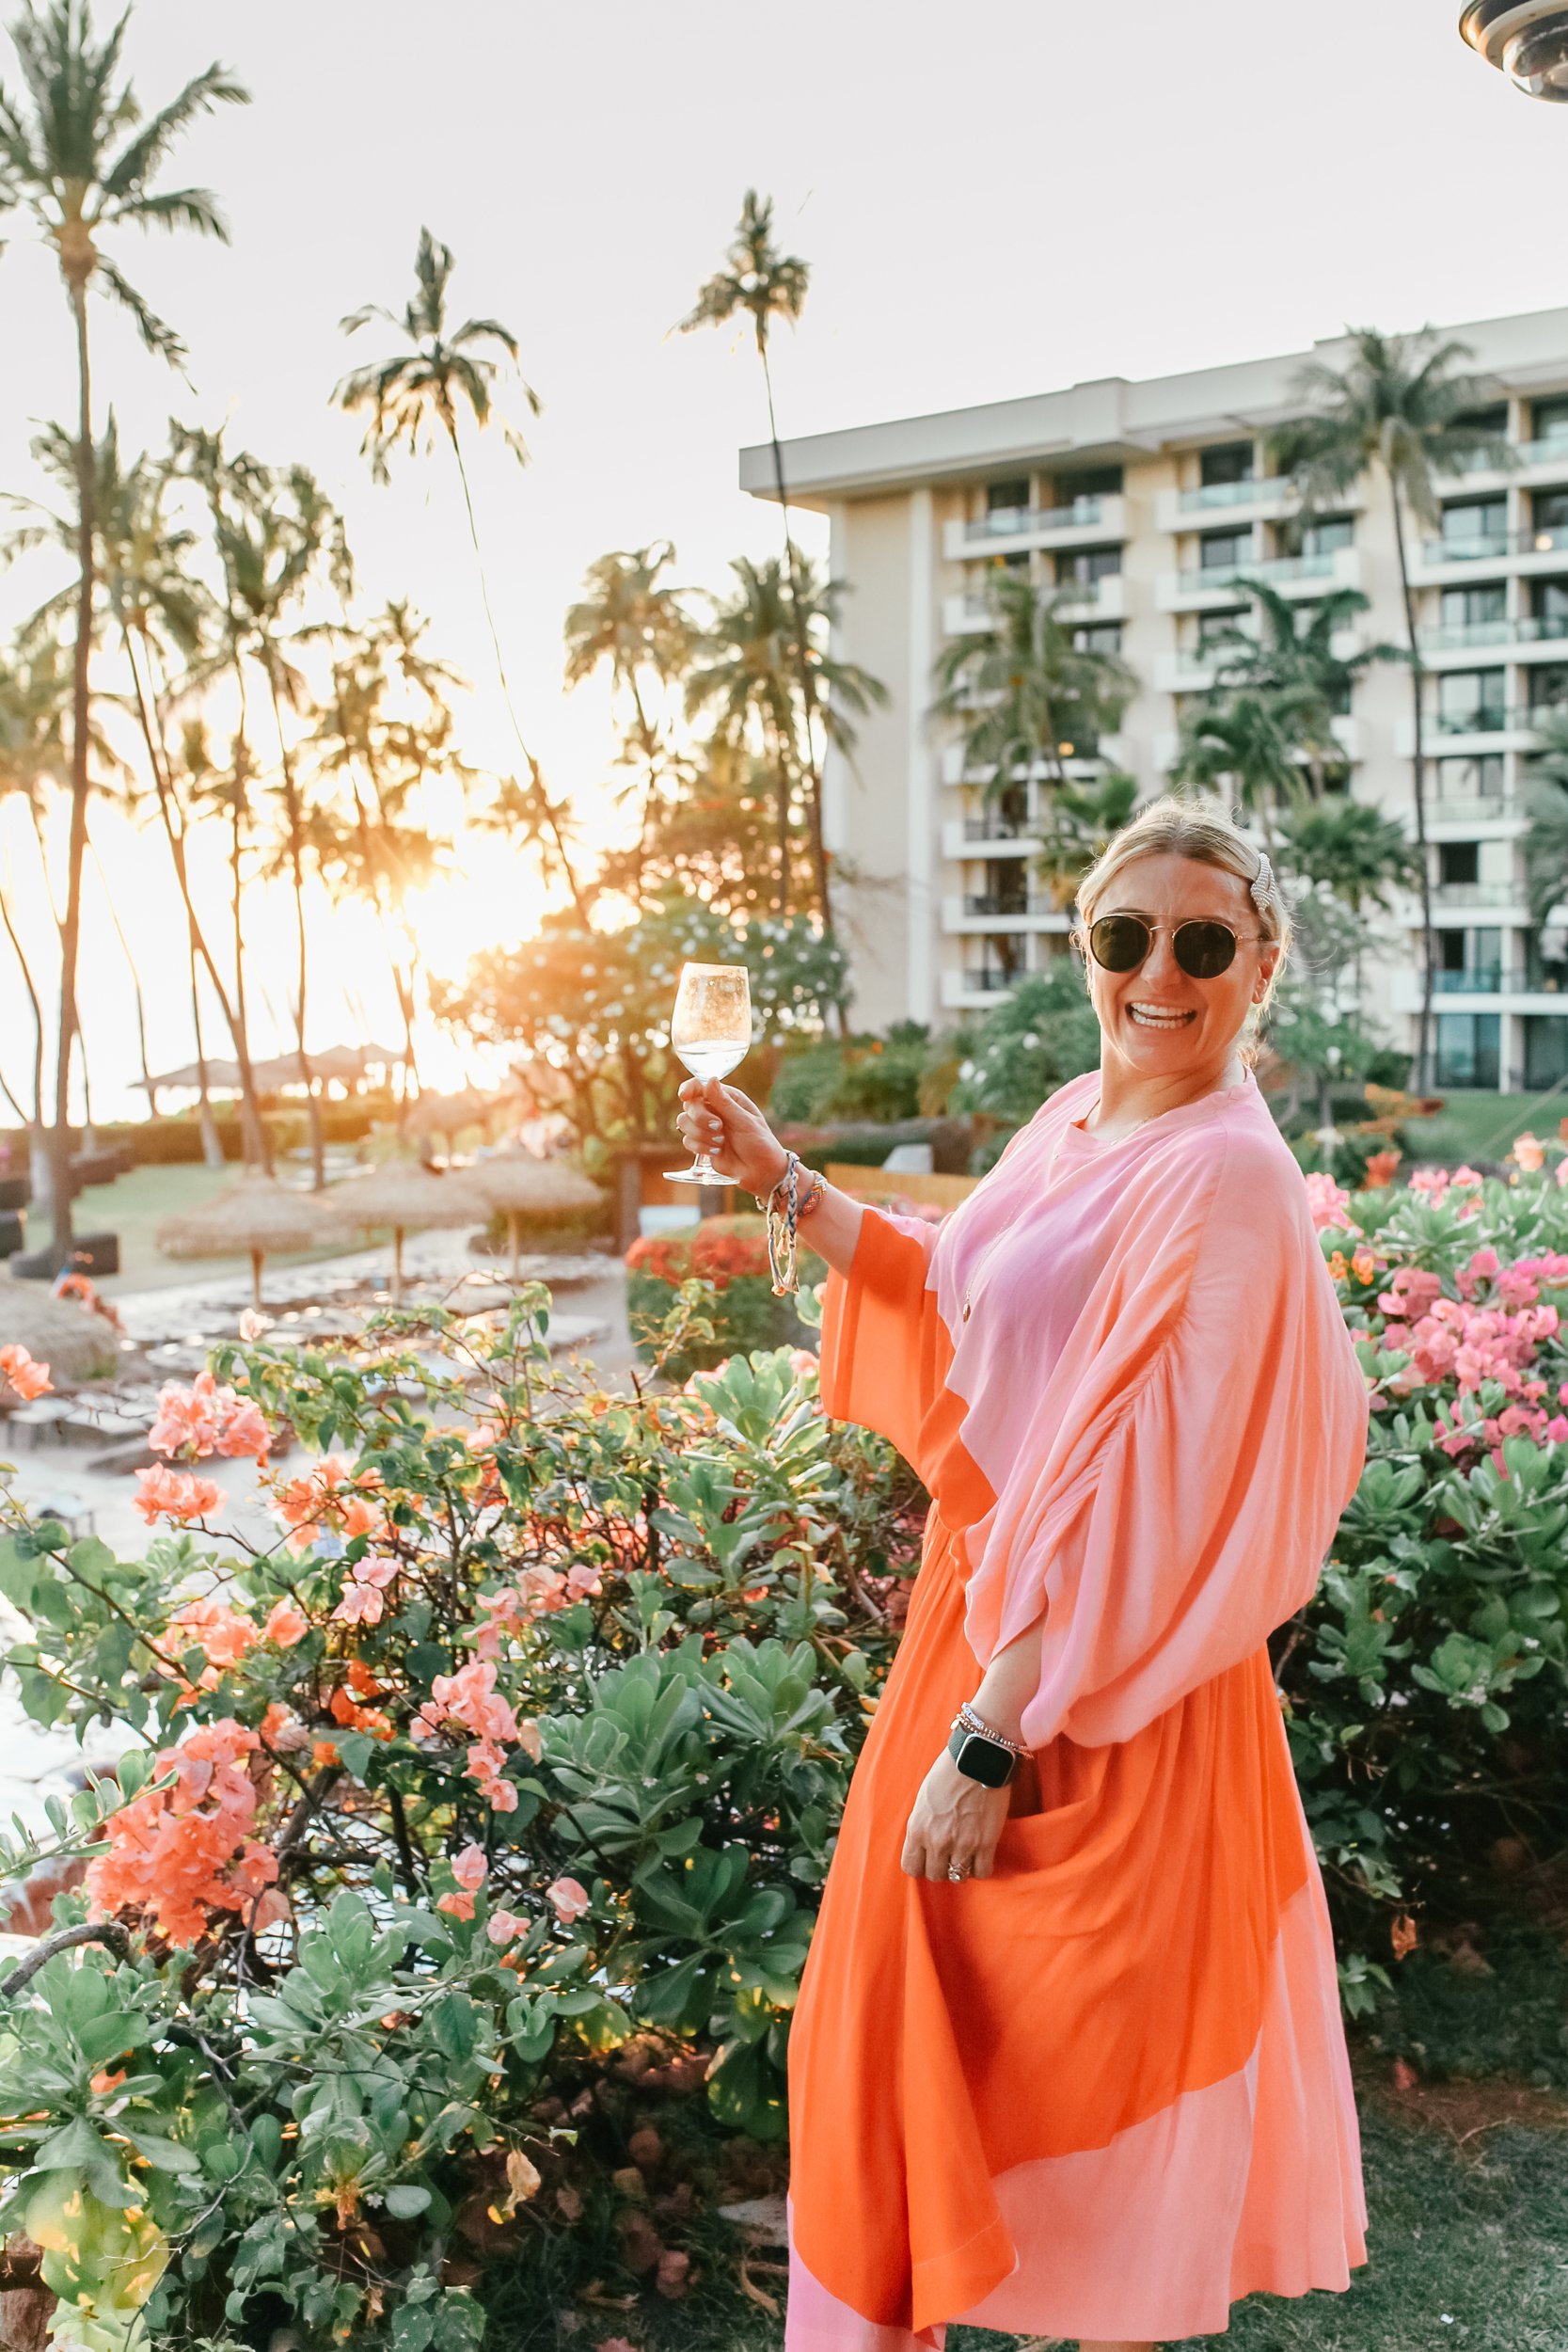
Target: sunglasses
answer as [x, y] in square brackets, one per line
[1204, 949]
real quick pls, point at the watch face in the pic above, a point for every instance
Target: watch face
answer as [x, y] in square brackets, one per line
[983, 1761]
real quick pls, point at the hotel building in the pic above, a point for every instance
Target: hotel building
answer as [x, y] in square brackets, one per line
[1148, 500]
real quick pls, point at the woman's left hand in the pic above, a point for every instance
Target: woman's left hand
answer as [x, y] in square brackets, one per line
[955, 1824]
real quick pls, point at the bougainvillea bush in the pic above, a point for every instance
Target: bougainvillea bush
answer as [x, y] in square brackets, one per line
[729, 1255]
[471, 1833]
[1427, 1686]
[468, 1843]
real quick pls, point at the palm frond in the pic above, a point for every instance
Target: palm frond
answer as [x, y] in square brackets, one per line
[157, 336]
[202, 95]
[179, 208]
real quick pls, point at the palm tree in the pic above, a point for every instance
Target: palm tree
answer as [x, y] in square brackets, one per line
[72, 155]
[759, 283]
[1293, 654]
[415, 397]
[1397, 409]
[35, 695]
[1025, 694]
[1351, 851]
[274, 540]
[632, 620]
[1250, 741]
[743, 670]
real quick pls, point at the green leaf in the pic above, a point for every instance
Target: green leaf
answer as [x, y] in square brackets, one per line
[404, 2201]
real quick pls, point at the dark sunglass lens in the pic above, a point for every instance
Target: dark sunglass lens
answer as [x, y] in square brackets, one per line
[1204, 949]
[1119, 942]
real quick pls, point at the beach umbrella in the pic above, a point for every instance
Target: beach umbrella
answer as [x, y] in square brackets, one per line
[448, 1114]
[75, 1343]
[518, 1182]
[410, 1199]
[257, 1218]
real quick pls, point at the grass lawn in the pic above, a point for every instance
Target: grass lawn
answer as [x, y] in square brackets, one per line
[1476, 1126]
[136, 1205]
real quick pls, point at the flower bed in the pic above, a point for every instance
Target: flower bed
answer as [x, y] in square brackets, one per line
[728, 1255]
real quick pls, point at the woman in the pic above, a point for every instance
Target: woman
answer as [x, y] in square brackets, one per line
[1069, 2058]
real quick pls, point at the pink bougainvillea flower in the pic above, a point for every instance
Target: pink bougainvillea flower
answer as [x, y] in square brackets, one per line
[1529, 1152]
[470, 1867]
[803, 1363]
[179, 1854]
[286, 1624]
[363, 1598]
[246, 1435]
[570, 1898]
[163, 1493]
[487, 1763]
[529, 1738]
[205, 1419]
[502, 1926]
[1329, 1202]
[22, 1373]
[584, 1578]
[223, 1633]
[1363, 1265]
[456, 1906]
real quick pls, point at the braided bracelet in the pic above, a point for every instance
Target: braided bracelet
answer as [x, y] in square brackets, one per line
[782, 1256]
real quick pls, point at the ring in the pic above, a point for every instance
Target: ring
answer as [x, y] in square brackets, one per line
[954, 1873]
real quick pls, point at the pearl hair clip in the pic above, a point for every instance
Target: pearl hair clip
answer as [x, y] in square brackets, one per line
[1261, 885]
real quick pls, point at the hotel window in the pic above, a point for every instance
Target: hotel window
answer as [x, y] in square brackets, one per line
[1478, 779]
[1471, 702]
[1002, 497]
[1549, 603]
[1217, 633]
[1549, 418]
[1230, 461]
[1468, 1048]
[1085, 564]
[1472, 523]
[1457, 864]
[1224, 550]
[1549, 686]
[1548, 519]
[1328, 534]
[1099, 636]
[1475, 608]
[1545, 1051]
[1089, 482]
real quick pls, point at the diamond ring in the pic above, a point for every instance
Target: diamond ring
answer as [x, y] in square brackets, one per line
[954, 1872]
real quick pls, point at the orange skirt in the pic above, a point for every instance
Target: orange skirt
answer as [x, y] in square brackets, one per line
[1103, 2092]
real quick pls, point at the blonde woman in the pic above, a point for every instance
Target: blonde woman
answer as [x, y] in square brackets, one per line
[1069, 2058]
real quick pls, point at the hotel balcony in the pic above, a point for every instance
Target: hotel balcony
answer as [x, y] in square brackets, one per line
[1347, 734]
[1462, 817]
[1113, 751]
[1192, 669]
[1214, 584]
[1037, 912]
[987, 837]
[1495, 987]
[1441, 562]
[1266, 498]
[1086, 522]
[1531, 637]
[1461, 896]
[1537, 463]
[1450, 734]
[975, 992]
[1102, 599]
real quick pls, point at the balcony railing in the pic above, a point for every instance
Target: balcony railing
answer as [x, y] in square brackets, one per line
[1012, 522]
[1211, 494]
[1551, 451]
[1478, 894]
[998, 829]
[988, 982]
[1474, 808]
[1472, 636]
[1498, 980]
[995, 904]
[1495, 718]
[1493, 545]
[977, 606]
[1279, 569]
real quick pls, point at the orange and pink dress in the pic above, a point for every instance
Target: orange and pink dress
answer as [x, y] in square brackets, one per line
[1104, 2092]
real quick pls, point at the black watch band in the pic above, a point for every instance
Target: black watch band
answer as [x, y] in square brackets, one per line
[982, 1759]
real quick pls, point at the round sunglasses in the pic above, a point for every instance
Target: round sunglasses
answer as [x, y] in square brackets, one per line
[1203, 947]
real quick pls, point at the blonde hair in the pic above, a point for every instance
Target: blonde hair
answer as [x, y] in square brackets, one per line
[1201, 830]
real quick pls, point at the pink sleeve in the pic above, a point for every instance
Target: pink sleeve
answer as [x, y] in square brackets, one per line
[885, 1348]
[1192, 1482]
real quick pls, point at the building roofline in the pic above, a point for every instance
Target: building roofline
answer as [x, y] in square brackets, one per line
[1109, 417]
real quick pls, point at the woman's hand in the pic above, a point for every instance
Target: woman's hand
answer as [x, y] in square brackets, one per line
[955, 1824]
[739, 1140]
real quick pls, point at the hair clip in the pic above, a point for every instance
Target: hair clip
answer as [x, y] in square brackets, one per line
[1261, 884]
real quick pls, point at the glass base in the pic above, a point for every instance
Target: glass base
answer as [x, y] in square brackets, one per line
[696, 1176]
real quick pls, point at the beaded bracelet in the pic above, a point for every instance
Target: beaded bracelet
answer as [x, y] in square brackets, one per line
[782, 1222]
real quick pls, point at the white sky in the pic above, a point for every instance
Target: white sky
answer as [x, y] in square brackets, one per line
[993, 199]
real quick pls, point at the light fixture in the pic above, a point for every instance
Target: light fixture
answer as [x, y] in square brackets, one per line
[1527, 40]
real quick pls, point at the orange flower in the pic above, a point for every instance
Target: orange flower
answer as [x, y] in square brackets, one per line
[163, 1493]
[21, 1374]
[286, 1624]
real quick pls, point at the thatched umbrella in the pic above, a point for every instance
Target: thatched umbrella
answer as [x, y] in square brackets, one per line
[408, 1198]
[75, 1343]
[257, 1218]
[518, 1182]
[448, 1114]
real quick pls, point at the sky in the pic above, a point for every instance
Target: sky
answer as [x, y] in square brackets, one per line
[992, 200]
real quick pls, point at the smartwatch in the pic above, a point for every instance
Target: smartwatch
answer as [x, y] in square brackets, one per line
[982, 1759]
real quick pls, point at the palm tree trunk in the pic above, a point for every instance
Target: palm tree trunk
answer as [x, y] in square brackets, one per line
[297, 868]
[802, 655]
[1423, 1029]
[255, 1137]
[136, 989]
[71, 929]
[212, 1143]
[236, 877]
[561, 850]
[40, 1170]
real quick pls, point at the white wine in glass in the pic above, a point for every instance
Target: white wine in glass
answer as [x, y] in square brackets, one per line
[710, 1031]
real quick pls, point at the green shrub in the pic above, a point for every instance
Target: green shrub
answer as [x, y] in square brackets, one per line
[729, 1256]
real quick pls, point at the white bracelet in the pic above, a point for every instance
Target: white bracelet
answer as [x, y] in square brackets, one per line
[974, 1721]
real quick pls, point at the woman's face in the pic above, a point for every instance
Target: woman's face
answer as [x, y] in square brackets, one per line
[1158, 1020]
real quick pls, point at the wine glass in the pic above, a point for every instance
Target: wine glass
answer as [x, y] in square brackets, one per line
[710, 1030]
